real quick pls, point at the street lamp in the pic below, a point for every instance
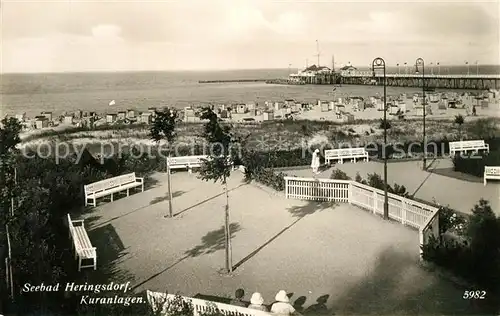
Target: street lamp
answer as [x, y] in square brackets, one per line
[398, 68]
[439, 68]
[420, 62]
[406, 68]
[477, 67]
[468, 67]
[379, 63]
[432, 69]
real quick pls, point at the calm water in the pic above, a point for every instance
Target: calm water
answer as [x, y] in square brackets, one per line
[33, 93]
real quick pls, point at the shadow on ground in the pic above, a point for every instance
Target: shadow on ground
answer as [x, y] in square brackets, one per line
[166, 197]
[297, 211]
[208, 199]
[450, 173]
[213, 241]
[386, 290]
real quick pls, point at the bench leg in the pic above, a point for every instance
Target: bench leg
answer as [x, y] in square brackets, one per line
[128, 192]
[354, 160]
[190, 171]
[142, 187]
[95, 202]
[341, 161]
[111, 197]
[95, 264]
[484, 181]
[79, 264]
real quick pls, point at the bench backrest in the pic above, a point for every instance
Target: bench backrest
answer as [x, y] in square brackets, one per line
[157, 300]
[70, 223]
[343, 152]
[467, 144]
[492, 171]
[109, 183]
[186, 160]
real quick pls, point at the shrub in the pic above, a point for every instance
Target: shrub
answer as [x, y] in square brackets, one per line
[478, 261]
[339, 175]
[474, 164]
[384, 124]
[271, 179]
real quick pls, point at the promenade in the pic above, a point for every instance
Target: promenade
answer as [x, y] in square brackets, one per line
[308, 249]
[440, 183]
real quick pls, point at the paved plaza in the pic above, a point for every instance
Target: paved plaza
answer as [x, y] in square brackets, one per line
[365, 264]
[441, 183]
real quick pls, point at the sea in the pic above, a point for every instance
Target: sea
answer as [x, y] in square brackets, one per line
[68, 92]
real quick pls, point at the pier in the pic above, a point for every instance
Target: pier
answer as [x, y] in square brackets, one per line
[479, 82]
[233, 80]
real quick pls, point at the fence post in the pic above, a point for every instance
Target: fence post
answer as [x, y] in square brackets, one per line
[286, 188]
[403, 211]
[349, 192]
[375, 198]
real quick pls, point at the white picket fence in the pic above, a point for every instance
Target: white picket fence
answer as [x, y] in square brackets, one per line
[406, 211]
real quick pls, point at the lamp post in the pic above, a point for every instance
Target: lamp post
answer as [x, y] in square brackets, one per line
[398, 68]
[406, 68]
[439, 68]
[468, 67]
[379, 63]
[420, 62]
[477, 67]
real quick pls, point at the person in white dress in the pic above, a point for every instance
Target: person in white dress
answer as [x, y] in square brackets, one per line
[315, 161]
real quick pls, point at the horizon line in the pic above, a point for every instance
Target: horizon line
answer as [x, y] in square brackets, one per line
[202, 70]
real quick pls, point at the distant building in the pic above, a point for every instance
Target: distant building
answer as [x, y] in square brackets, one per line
[21, 117]
[348, 70]
[130, 113]
[188, 113]
[41, 122]
[111, 117]
[48, 115]
[146, 118]
[324, 106]
[78, 114]
[241, 108]
[289, 102]
[68, 119]
[225, 114]
[122, 115]
[268, 116]
[277, 106]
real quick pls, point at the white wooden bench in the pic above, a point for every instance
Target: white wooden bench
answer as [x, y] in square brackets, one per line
[159, 301]
[186, 162]
[81, 244]
[345, 153]
[492, 173]
[468, 145]
[110, 186]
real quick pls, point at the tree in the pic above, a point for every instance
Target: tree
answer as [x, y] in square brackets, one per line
[459, 120]
[9, 138]
[164, 127]
[219, 164]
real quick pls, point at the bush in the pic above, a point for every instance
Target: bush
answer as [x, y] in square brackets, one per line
[338, 174]
[478, 261]
[474, 164]
[271, 179]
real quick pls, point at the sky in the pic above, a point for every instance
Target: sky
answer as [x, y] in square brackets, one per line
[65, 36]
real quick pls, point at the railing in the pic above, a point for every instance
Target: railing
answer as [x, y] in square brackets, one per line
[407, 211]
[316, 189]
[403, 210]
[161, 301]
[431, 76]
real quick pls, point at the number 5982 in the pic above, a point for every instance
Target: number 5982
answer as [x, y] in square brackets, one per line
[474, 295]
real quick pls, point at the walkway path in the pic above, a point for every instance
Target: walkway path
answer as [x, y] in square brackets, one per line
[365, 265]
